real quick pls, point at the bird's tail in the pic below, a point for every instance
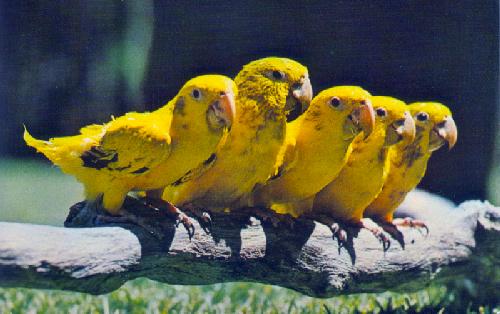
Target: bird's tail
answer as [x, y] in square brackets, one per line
[65, 151]
[45, 147]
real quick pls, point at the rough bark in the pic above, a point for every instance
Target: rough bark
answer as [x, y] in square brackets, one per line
[305, 258]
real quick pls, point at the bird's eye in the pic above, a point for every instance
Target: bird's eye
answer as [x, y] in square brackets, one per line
[196, 94]
[278, 75]
[422, 116]
[335, 102]
[381, 112]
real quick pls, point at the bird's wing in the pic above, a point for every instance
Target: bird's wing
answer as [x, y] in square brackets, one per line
[131, 146]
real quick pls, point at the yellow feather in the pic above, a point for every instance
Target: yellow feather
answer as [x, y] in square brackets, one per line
[316, 153]
[407, 163]
[361, 179]
[145, 151]
[253, 144]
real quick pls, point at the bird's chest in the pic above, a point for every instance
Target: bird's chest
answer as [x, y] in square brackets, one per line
[364, 173]
[264, 141]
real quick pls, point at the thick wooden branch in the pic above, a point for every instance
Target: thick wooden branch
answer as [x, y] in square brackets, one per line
[306, 259]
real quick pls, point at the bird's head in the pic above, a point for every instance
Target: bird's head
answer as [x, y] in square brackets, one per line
[279, 84]
[435, 119]
[394, 116]
[349, 106]
[207, 99]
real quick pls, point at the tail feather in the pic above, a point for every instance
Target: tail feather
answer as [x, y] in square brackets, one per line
[45, 147]
[65, 151]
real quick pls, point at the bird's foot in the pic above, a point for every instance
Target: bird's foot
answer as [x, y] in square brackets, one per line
[339, 231]
[170, 210]
[268, 215]
[202, 215]
[393, 231]
[377, 231]
[412, 223]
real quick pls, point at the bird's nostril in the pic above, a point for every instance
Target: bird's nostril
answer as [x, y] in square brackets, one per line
[399, 122]
[223, 93]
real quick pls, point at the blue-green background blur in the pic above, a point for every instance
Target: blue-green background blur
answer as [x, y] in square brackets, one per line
[65, 64]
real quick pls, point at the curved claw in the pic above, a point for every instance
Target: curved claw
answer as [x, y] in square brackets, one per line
[202, 216]
[377, 232]
[386, 243]
[188, 225]
[338, 233]
[412, 223]
[419, 225]
[394, 232]
[207, 222]
[341, 235]
[426, 229]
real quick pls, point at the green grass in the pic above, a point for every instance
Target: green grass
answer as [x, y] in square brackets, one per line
[36, 192]
[147, 296]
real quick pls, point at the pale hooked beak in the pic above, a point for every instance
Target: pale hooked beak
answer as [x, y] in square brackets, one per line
[406, 127]
[401, 130]
[364, 117]
[301, 95]
[303, 92]
[445, 131]
[224, 109]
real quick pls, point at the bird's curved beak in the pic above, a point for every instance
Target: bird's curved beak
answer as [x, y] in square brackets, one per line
[298, 99]
[401, 130]
[445, 131]
[223, 110]
[364, 117]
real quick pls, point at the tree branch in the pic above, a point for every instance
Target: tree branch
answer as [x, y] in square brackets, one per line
[306, 258]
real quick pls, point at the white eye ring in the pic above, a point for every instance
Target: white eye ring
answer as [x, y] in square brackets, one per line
[381, 112]
[335, 102]
[422, 116]
[196, 94]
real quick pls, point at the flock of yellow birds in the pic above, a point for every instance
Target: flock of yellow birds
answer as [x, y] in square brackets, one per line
[262, 141]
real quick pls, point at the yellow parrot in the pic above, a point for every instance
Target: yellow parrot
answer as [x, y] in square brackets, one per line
[147, 151]
[317, 149]
[408, 162]
[361, 179]
[271, 91]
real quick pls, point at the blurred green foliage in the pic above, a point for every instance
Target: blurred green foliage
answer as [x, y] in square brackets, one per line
[143, 295]
[39, 193]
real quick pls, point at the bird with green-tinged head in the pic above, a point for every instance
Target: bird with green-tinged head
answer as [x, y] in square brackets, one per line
[279, 84]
